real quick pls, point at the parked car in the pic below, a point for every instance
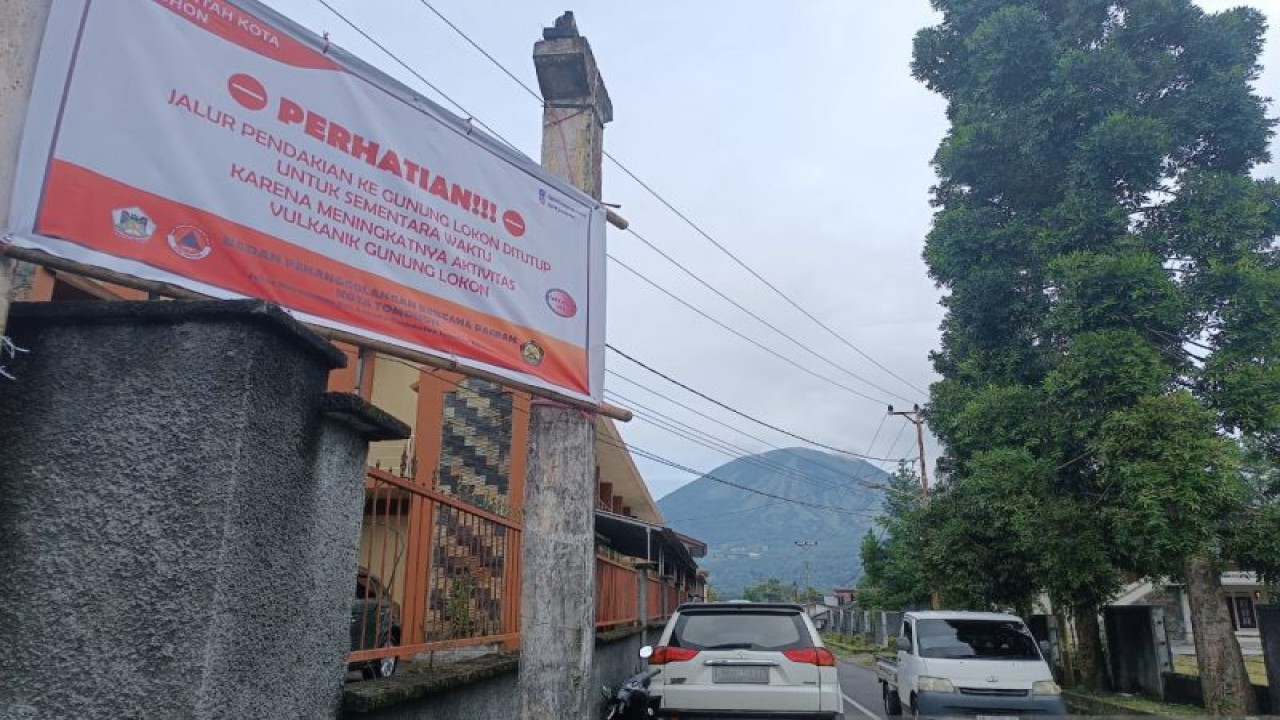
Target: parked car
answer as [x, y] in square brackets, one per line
[967, 663]
[750, 659]
[375, 623]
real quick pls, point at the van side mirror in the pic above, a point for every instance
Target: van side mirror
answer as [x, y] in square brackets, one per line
[646, 652]
[1045, 647]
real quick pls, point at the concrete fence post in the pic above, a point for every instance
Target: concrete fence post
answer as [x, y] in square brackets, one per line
[181, 511]
[1269, 629]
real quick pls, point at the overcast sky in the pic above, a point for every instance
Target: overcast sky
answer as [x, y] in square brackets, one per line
[793, 133]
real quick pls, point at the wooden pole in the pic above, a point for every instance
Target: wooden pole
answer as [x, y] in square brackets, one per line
[160, 289]
[557, 599]
[24, 22]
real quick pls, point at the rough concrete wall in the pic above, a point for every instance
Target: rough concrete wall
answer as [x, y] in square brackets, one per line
[495, 696]
[167, 546]
[615, 662]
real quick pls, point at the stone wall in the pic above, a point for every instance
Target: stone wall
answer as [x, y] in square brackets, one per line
[485, 687]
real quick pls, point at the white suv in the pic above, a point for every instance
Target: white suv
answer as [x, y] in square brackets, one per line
[748, 660]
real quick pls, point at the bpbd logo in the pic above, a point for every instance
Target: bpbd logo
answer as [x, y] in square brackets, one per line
[190, 242]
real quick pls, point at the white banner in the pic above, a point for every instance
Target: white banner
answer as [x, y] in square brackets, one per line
[214, 146]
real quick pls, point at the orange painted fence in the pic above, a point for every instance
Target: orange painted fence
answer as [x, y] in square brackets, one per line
[654, 599]
[436, 573]
[439, 573]
[617, 594]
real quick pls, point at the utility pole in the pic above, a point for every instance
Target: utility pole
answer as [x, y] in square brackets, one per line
[915, 418]
[805, 546]
[557, 599]
[24, 22]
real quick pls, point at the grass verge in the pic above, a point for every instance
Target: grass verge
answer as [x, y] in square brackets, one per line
[1135, 703]
[1253, 664]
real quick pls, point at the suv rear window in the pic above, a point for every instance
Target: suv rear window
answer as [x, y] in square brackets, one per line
[740, 630]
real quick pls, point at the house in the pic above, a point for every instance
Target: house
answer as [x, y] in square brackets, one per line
[1243, 590]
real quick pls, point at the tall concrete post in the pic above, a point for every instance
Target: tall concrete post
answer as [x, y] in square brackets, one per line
[557, 616]
[23, 29]
[180, 508]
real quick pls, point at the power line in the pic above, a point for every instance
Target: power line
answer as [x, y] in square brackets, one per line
[757, 275]
[740, 413]
[779, 467]
[671, 463]
[415, 73]
[697, 228]
[872, 445]
[654, 457]
[758, 344]
[698, 279]
[482, 51]
[726, 512]
[897, 437]
[751, 458]
[712, 418]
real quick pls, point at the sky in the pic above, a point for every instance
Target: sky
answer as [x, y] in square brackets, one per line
[795, 136]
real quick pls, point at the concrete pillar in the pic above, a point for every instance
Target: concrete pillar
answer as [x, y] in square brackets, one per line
[557, 603]
[180, 516]
[1269, 629]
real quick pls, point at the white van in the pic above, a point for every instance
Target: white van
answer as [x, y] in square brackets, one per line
[968, 663]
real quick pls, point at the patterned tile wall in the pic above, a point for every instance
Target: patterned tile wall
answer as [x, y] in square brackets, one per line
[475, 445]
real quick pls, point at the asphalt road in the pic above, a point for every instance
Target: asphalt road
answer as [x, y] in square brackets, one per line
[861, 692]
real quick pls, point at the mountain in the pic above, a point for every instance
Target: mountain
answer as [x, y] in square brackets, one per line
[751, 537]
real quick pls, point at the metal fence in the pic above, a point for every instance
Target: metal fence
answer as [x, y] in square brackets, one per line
[437, 572]
[617, 594]
[440, 572]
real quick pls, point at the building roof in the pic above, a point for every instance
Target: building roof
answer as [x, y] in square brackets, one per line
[618, 467]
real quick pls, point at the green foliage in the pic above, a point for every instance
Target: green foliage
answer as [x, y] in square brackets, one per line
[1252, 540]
[769, 590]
[984, 531]
[892, 571]
[1169, 480]
[1102, 246]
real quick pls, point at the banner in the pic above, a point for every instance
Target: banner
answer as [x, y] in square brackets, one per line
[216, 146]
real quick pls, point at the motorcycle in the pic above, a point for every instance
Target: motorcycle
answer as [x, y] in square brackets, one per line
[632, 699]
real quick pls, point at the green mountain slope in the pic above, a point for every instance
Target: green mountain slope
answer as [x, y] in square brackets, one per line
[751, 537]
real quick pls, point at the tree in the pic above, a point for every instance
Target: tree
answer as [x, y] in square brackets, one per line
[892, 573]
[1097, 222]
[1172, 482]
[769, 590]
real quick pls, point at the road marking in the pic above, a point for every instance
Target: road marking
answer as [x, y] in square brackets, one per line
[858, 705]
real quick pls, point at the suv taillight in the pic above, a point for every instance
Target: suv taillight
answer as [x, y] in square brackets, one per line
[819, 656]
[663, 655]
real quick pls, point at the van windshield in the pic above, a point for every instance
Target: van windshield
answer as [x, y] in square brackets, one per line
[976, 640]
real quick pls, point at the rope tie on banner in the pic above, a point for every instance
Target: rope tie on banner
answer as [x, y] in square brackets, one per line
[9, 349]
[548, 403]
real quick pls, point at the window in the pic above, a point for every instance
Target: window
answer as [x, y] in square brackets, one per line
[976, 640]
[1242, 616]
[740, 630]
[906, 642]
